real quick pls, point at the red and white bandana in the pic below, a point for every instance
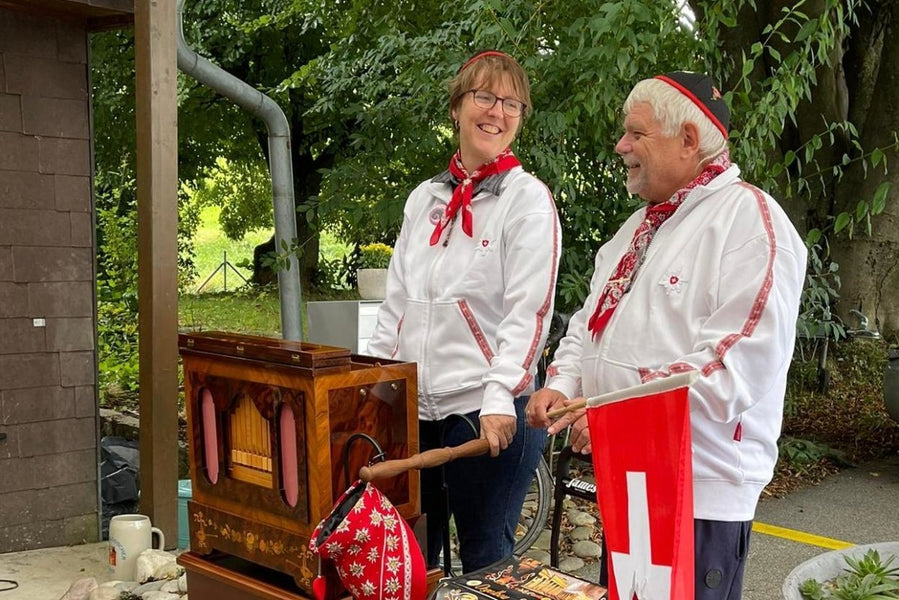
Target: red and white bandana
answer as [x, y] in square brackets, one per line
[373, 548]
[620, 281]
[461, 198]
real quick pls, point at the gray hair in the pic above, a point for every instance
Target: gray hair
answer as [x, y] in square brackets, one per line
[672, 109]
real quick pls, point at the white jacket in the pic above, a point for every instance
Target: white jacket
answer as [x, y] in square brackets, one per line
[718, 293]
[473, 314]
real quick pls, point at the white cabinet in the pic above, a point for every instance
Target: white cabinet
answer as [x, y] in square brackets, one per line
[343, 323]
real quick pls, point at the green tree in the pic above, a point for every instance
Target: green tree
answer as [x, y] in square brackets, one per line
[813, 85]
[388, 73]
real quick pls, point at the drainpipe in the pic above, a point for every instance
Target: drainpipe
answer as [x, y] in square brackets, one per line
[260, 105]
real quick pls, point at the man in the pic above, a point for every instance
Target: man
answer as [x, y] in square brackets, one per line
[706, 277]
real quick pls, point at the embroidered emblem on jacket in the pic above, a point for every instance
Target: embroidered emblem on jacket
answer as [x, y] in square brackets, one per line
[484, 247]
[436, 214]
[673, 283]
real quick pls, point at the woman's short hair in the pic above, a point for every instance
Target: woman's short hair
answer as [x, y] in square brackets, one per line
[672, 109]
[486, 69]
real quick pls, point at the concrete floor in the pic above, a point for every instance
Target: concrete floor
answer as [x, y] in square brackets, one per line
[857, 506]
[46, 574]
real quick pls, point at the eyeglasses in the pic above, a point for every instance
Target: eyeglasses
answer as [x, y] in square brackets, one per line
[485, 99]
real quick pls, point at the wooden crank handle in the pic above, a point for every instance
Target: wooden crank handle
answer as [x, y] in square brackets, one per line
[555, 414]
[424, 460]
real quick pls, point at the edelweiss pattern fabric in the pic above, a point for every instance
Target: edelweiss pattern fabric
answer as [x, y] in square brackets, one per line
[373, 548]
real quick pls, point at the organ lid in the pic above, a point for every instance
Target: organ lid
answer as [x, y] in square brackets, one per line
[288, 352]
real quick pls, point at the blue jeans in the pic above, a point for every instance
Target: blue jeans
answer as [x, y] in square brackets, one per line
[485, 494]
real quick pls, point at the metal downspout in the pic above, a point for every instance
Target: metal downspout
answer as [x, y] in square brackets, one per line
[257, 103]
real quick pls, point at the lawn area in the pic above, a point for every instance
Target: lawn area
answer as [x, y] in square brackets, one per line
[245, 311]
[213, 248]
[240, 308]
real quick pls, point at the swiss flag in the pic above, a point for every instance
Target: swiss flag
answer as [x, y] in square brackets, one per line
[641, 454]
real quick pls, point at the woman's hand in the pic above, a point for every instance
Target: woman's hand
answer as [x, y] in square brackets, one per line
[498, 430]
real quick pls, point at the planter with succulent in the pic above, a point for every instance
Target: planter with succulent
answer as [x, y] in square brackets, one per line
[869, 572]
[371, 277]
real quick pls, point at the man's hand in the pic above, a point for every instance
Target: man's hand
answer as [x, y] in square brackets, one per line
[541, 402]
[580, 433]
[498, 430]
[546, 400]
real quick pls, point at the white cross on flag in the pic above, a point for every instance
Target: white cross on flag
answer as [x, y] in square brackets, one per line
[641, 454]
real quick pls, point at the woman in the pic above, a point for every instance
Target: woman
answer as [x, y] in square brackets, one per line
[469, 298]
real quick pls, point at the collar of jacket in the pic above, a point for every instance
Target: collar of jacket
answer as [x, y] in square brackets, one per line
[492, 184]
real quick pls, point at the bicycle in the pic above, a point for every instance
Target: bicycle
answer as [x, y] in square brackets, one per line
[539, 499]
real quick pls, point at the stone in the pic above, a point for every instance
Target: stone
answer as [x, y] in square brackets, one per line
[150, 586]
[120, 586]
[151, 563]
[171, 586]
[538, 555]
[544, 540]
[160, 595]
[580, 519]
[580, 533]
[182, 583]
[80, 589]
[586, 549]
[571, 564]
[169, 570]
[104, 593]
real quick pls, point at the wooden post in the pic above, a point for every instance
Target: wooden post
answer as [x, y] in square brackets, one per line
[157, 213]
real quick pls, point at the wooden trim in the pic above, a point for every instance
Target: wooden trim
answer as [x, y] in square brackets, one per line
[94, 14]
[157, 227]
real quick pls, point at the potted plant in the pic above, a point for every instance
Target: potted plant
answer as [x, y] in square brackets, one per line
[371, 277]
[865, 572]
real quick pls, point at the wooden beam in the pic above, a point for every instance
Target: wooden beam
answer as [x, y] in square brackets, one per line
[157, 213]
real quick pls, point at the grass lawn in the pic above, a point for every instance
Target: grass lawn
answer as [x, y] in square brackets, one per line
[213, 247]
[239, 309]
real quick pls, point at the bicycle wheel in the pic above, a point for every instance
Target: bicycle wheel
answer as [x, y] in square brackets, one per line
[535, 512]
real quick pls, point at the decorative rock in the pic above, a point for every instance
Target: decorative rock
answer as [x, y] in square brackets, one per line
[104, 593]
[580, 519]
[589, 571]
[81, 589]
[570, 564]
[171, 586]
[120, 586]
[150, 586]
[581, 533]
[182, 583]
[160, 595]
[586, 549]
[149, 562]
[538, 555]
[543, 540]
[169, 570]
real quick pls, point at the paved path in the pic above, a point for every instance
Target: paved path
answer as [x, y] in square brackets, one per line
[855, 506]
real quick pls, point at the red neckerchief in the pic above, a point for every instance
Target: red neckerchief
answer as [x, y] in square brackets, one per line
[620, 281]
[461, 198]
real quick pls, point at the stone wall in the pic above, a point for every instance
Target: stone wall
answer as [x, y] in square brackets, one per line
[48, 405]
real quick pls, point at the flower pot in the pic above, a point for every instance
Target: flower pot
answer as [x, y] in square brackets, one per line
[372, 283]
[830, 564]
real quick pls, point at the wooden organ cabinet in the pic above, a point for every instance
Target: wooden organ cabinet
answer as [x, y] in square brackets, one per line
[269, 421]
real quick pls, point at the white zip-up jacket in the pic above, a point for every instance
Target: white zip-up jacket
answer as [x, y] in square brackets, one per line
[718, 293]
[473, 312]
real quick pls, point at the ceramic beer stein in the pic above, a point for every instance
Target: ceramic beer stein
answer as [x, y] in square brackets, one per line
[129, 535]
